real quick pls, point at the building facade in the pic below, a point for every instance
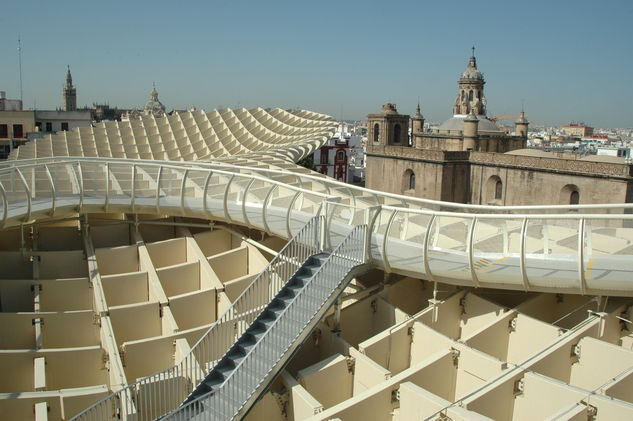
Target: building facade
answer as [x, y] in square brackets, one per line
[14, 126]
[469, 159]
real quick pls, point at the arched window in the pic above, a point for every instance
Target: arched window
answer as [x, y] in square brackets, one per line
[376, 133]
[498, 190]
[463, 95]
[470, 95]
[493, 190]
[408, 182]
[396, 133]
[569, 194]
[478, 94]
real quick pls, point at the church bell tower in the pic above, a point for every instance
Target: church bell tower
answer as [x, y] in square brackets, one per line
[470, 95]
[70, 93]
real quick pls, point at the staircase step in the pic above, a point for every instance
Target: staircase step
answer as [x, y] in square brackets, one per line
[313, 292]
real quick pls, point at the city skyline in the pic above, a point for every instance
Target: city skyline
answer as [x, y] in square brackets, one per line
[563, 62]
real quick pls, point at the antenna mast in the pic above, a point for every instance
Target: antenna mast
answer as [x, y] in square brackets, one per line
[20, 62]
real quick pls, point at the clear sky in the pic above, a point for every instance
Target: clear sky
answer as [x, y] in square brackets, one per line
[565, 60]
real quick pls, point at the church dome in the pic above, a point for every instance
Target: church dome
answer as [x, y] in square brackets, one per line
[472, 73]
[456, 123]
[154, 106]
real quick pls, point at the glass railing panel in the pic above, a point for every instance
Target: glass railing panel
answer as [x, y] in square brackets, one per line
[338, 217]
[15, 190]
[194, 189]
[448, 257]
[121, 180]
[497, 250]
[170, 187]
[215, 189]
[95, 180]
[404, 247]
[281, 204]
[255, 196]
[235, 198]
[608, 253]
[63, 179]
[551, 253]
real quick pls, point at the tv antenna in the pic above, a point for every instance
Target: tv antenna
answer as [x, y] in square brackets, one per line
[20, 64]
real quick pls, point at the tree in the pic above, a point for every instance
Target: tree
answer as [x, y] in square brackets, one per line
[307, 162]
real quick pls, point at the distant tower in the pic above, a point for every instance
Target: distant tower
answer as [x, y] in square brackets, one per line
[388, 128]
[417, 126]
[521, 126]
[470, 96]
[471, 123]
[70, 93]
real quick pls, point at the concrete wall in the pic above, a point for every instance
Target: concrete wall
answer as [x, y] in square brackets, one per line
[519, 187]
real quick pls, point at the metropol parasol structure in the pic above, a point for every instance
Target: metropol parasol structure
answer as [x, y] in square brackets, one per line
[185, 267]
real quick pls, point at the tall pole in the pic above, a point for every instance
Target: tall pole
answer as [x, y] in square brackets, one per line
[20, 62]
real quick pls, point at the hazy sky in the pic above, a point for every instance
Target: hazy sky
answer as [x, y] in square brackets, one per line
[566, 60]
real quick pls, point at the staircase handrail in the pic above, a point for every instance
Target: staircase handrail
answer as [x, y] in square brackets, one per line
[152, 392]
[351, 252]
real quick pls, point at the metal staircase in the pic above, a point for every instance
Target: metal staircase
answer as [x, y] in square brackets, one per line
[252, 362]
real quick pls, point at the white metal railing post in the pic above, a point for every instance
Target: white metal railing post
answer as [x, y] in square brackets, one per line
[470, 251]
[107, 186]
[425, 250]
[248, 186]
[5, 206]
[28, 194]
[226, 199]
[158, 177]
[81, 186]
[268, 197]
[53, 190]
[385, 238]
[370, 228]
[204, 192]
[288, 212]
[581, 256]
[182, 191]
[133, 189]
[522, 241]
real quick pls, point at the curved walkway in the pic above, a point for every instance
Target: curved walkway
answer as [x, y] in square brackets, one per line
[578, 249]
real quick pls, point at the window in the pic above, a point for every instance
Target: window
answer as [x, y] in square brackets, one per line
[49, 127]
[324, 154]
[498, 190]
[569, 194]
[64, 126]
[408, 182]
[39, 126]
[4, 131]
[18, 131]
[470, 95]
[340, 156]
[396, 133]
[463, 95]
[376, 133]
[493, 190]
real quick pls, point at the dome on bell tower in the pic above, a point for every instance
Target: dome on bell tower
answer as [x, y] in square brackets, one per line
[470, 95]
[472, 72]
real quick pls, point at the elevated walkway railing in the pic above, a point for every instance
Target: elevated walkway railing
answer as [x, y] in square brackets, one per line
[255, 359]
[580, 249]
[162, 392]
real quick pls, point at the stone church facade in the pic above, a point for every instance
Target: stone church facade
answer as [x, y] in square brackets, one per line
[469, 159]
